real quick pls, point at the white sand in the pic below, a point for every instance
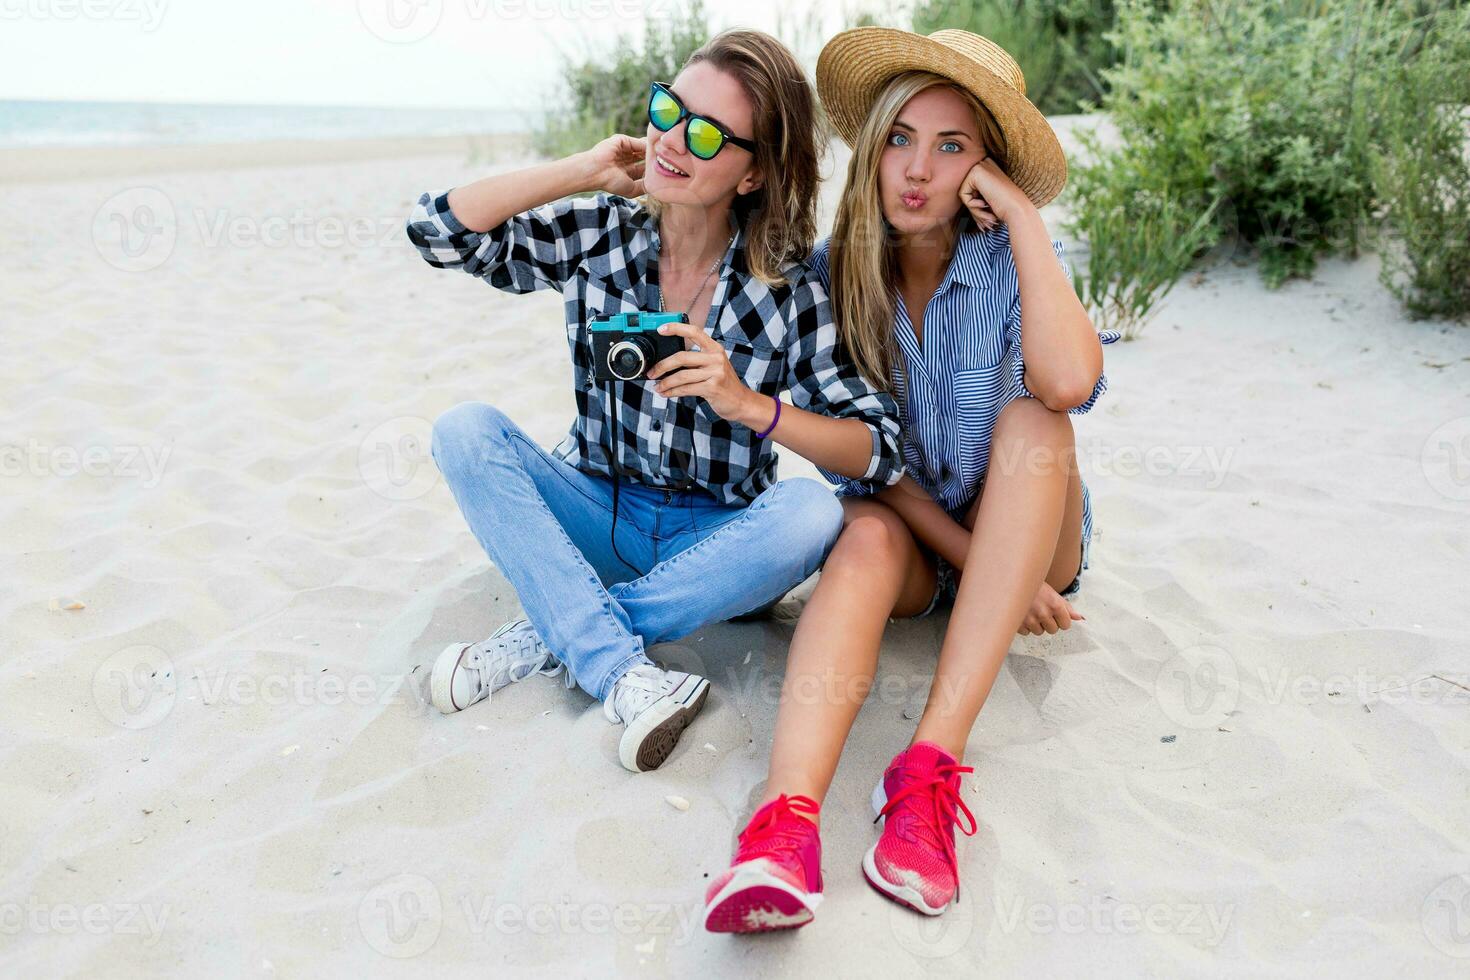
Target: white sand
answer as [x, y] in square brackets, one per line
[223, 764]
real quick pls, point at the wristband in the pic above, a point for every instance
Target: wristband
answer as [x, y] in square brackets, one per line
[762, 435]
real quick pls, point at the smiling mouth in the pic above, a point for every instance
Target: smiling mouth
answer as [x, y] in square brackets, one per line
[668, 168]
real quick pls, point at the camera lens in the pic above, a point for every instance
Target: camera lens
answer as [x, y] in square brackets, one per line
[628, 359]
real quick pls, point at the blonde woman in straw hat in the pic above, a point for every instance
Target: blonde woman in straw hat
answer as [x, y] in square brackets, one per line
[949, 291]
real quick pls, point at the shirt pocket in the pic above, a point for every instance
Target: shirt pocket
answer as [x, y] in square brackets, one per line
[979, 395]
[756, 362]
[981, 352]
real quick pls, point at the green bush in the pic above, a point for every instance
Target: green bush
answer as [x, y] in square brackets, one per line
[1061, 45]
[606, 91]
[1141, 244]
[1271, 112]
[1423, 175]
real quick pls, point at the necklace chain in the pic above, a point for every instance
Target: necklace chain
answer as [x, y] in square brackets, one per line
[662, 306]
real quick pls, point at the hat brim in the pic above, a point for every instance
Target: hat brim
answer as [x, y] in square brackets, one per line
[855, 65]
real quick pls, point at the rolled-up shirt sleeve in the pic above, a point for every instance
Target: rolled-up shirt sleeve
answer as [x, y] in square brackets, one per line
[822, 378]
[1016, 365]
[536, 249]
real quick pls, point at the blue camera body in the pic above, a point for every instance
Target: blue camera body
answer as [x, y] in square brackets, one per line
[626, 345]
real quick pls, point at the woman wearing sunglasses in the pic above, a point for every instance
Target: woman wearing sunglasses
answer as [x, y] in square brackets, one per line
[948, 289]
[660, 511]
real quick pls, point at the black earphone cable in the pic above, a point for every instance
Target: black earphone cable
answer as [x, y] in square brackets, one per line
[613, 428]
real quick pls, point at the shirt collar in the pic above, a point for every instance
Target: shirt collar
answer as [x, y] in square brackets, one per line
[971, 262]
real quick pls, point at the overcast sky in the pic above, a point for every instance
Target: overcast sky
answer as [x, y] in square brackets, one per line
[482, 53]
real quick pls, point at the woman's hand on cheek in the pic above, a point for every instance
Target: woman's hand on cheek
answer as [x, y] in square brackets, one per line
[990, 195]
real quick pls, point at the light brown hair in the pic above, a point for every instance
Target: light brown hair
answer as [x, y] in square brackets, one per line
[780, 217]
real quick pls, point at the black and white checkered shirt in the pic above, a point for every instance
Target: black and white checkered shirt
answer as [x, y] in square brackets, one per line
[601, 252]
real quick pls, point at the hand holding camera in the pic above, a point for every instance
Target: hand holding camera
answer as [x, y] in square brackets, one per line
[638, 346]
[626, 345]
[707, 373]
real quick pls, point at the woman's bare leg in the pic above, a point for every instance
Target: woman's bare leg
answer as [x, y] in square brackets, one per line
[1026, 528]
[1066, 563]
[875, 570]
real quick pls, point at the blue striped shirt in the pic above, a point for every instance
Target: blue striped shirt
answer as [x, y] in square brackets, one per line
[951, 389]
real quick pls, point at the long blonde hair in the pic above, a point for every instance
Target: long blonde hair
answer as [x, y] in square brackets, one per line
[863, 254]
[780, 218]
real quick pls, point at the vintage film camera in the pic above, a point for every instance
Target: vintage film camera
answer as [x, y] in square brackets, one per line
[626, 345]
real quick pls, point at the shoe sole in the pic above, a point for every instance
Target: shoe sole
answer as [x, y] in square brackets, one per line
[902, 894]
[441, 682]
[651, 737]
[755, 900]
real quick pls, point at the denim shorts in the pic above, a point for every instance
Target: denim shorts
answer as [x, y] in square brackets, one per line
[947, 584]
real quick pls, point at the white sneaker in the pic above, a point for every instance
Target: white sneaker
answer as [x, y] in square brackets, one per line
[656, 705]
[466, 673]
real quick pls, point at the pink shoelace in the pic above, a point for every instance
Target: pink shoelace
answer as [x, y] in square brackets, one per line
[936, 819]
[772, 829]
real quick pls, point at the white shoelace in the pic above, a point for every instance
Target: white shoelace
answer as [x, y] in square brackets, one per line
[642, 685]
[516, 654]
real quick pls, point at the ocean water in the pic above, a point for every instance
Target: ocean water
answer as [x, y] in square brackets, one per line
[30, 123]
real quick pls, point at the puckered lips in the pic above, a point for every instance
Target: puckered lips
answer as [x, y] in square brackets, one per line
[914, 200]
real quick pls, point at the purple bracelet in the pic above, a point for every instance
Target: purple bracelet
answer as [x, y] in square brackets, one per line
[762, 435]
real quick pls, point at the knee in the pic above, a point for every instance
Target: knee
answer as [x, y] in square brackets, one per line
[1028, 416]
[461, 430]
[1026, 425]
[868, 541]
[812, 511]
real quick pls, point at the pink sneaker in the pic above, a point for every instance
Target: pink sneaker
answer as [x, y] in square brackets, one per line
[775, 881]
[914, 861]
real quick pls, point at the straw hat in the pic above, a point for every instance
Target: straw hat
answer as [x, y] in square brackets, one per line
[856, 64]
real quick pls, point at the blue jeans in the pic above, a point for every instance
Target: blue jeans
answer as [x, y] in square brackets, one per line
[546, 525]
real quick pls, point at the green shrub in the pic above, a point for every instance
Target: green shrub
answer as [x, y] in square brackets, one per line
[1270, 111]
[1061, 45]
[1141, 243]
[1423, 175]
[606, 91]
